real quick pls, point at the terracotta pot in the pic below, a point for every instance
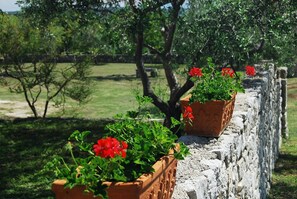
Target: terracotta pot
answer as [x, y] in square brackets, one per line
[210, 118]
[159, 184]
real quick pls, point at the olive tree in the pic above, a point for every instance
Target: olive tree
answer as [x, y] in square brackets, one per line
[235, 32]
[41, 79]
[282, 43]
[167, 13]
[87, 25]
[232, 32]
[139, 15]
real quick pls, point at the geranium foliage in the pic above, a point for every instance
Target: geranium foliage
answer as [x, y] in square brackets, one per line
[130, 149]
[215, 84]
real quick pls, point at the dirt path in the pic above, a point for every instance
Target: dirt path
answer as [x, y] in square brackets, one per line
[17, 109]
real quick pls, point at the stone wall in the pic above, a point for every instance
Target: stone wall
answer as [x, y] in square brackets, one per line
[239, 163]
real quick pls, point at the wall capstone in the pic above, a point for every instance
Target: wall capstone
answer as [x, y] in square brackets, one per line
[282, 74]
[239, 163]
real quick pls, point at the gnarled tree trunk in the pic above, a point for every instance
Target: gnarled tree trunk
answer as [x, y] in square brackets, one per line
[171, 108]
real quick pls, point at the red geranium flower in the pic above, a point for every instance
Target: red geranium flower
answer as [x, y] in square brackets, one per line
[110, 147]
[195, 72]
[188, 113]
[228, 72]
[250, 70]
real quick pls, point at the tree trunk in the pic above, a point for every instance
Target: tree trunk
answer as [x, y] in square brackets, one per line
[147, 91]
[171, 109]
[174, 111]
[45, 108]
[33, 110]
[31, 105]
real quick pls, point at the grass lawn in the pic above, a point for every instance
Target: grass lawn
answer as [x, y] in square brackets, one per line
[114, 86]
[27, 144]
[284, 180]
[113, 89]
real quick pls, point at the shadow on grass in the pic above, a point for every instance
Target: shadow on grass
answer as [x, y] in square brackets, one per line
[119, 77]
[286, 163]
[283, 190]
[284, 185]
[25, 147]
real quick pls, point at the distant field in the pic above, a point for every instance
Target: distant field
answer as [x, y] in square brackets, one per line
[114, 87]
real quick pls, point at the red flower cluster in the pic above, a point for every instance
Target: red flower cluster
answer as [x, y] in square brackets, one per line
[110, 147]
[188, 113]
[228, 72]
[250, 70]
[195, 72]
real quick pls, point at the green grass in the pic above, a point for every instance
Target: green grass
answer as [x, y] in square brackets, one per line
[284, 180]
[26, 146]
[114, 86]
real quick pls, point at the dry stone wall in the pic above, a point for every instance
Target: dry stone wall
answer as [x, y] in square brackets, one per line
[239, 163]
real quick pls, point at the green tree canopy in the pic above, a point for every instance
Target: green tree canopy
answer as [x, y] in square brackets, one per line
[232, 32]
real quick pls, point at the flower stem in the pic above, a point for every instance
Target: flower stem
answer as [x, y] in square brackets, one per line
[65, 164]
[73, 158]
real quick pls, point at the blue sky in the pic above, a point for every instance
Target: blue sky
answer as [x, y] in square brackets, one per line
[8, 5]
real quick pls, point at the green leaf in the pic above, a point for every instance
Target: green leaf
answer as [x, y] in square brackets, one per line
[139, 161]
[174, 122]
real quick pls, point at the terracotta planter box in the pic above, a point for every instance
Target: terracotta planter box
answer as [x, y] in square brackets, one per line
[159, 184]
[210, 118]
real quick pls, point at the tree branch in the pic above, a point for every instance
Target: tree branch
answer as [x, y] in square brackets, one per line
[199, 52]
[153, 50]
[169, 36]
[157, 5]
[257, 48]
[260, 45]
[133, 6]
[182, 90]
[147, 91]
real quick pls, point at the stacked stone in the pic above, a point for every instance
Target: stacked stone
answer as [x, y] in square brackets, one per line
[282, 74]
[239, 163]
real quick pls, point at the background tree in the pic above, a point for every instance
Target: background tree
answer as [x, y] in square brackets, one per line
[44, 76]
[235, 32]
[80, 20]
[232, 32]
[282, 44]
[138, 15]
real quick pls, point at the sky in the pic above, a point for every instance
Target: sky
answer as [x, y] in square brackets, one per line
[8, 5]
